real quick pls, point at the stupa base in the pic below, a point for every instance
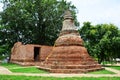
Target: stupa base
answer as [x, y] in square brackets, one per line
[70, 59]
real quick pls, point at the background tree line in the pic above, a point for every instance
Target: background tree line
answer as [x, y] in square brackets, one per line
[102, 41]
[40, 21]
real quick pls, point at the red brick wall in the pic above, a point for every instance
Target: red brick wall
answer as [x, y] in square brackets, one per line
[45, 51]
[25, 53]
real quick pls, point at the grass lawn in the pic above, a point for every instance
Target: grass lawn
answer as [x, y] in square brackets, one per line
[21, 69]
[28, 70]
[101, 72]
[114, 67]
[9, 77]
[9, 65]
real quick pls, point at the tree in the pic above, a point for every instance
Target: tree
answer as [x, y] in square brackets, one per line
[116, 45]
[33, 21]
[101, 40]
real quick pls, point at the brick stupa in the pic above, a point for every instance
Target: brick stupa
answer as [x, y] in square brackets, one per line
[69, 55]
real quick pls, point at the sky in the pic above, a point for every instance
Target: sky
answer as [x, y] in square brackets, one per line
[96, 11]
[1, 5]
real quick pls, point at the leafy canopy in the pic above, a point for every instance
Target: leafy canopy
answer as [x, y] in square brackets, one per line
[102, 40]
[32, 21]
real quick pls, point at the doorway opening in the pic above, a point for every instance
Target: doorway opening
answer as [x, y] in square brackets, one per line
[36, 53]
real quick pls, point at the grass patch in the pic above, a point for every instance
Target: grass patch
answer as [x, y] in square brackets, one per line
[9, 65]
[114, 67]
[9, 77]
[21, 69]
[28, 70]
[101, 72]
[108, 62]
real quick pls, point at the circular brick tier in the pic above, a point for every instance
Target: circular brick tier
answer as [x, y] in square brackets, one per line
[69, 37]
[70, 55]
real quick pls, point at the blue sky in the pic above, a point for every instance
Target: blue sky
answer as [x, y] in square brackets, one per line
[96, 11]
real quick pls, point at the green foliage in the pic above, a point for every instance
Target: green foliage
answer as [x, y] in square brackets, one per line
[102, 40]
[3, 51]
[32, 21]
[104, 63]
[37, 21]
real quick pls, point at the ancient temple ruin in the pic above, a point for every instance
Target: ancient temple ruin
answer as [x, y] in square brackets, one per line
[29, 54]
[69, 55]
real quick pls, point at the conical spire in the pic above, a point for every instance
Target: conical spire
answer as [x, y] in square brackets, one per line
[68, 23]
[68, 15]
[69, 34]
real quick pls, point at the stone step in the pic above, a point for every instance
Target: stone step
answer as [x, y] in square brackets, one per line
[95, 69]
[73, 70]
[24, 63]
[72, 62]
[68, 71]
[73, 59]
[68, 60]
[69, 55]
[75, 66]
[44, 68]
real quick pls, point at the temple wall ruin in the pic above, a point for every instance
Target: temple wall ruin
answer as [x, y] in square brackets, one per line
[29, 52]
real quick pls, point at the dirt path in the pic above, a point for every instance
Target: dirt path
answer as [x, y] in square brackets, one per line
[113, 70]
[66, 75]
[4, 70]
[7, 72]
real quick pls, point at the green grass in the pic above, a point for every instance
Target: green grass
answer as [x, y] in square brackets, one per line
[9, 65]
[114, 67]
[21, 69]
[9, 77]
[101, 72]
[108, 62]
[28, 70]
